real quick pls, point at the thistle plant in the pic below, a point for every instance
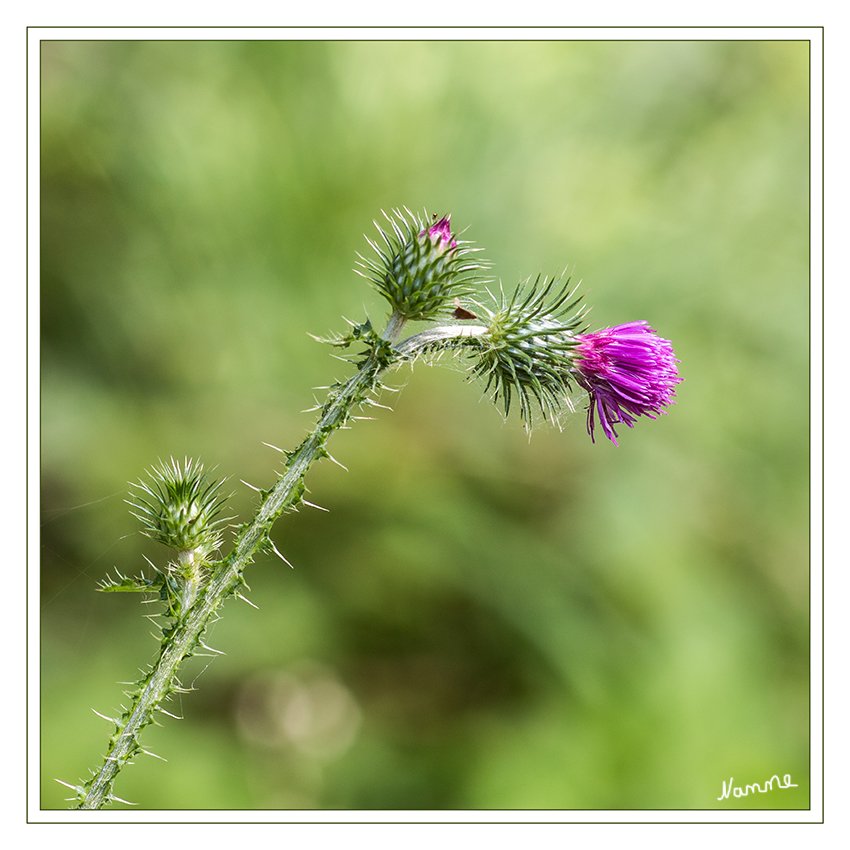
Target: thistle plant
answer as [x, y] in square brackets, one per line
[531, 346]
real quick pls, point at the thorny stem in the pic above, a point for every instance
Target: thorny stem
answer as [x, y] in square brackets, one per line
[186, 636]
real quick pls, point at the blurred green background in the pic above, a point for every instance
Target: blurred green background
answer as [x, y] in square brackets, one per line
[482, 620]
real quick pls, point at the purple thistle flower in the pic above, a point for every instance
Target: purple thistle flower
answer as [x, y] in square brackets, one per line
[440, 234]
[628, 371]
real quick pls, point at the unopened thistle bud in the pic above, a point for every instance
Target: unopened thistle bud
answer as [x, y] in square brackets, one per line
[529, 347]
[423, 267]
[179, 506]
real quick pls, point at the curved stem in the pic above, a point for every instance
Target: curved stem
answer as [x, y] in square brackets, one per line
[442, 333]
[185, 637]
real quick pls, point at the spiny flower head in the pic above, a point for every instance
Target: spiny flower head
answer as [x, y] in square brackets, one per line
[628, 371]
[529, 347]
[421, 268]
[179, 505]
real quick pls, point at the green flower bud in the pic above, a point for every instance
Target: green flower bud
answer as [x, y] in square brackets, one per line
[529, 348]
[423, 269]
[179, 506]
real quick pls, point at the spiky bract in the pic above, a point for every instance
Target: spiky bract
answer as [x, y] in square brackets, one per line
[179, 506]
[423, 266]
[529, 347]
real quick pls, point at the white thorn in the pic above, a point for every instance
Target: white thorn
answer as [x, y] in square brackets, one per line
[149, 753]
[240, 596]
[332, 458]
[110, 719]
[274, 548]
[160, 708]
[311, 505]
[257, 489]
[273, 447]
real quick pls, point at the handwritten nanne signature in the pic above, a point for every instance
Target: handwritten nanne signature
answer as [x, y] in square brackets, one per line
[768, 786]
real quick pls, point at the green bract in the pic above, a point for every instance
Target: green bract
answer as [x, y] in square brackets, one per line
[529, 346]
[424, 267]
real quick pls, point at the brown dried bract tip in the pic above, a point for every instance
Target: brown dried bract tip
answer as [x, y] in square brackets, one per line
[461, 312]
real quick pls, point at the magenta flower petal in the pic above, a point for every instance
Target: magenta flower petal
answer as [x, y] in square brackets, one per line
[628, 371]
[440, 234]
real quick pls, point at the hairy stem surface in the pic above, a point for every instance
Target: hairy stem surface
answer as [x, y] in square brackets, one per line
[183, 640]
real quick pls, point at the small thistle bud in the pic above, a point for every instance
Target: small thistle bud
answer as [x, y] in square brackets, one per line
[628, 371]
[529, 348]
[423, 267]
[179, 506]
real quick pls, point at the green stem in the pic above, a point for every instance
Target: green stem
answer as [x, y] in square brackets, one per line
[440, 335]
[394, 326]
[185, 638]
